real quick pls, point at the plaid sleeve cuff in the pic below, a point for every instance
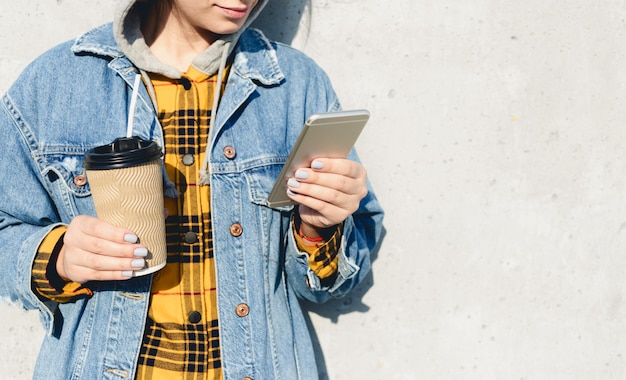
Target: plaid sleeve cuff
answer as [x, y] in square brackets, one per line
[323, 258]
[45, 279]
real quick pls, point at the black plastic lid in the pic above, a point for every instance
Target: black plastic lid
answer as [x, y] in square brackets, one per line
[122, 153]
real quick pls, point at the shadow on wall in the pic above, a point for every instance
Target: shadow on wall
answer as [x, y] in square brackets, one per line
[352, 303]
[281, 19]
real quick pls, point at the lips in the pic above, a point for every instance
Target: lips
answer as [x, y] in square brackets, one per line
[234, 12]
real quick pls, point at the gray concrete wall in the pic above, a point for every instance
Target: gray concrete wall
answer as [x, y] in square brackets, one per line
[496, 145]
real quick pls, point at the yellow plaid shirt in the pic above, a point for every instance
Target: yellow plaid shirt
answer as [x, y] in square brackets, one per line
[181, 339]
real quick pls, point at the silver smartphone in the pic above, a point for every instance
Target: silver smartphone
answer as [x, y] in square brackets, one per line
[324, 135]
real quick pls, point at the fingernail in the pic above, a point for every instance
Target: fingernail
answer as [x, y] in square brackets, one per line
[130, 238]
[293, 183]
[141, 252]
[302, 174]
[317, 164]
[127, 273]
[138, 263]
[289, 192]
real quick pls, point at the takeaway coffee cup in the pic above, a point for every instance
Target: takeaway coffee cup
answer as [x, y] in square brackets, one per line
[127, 188]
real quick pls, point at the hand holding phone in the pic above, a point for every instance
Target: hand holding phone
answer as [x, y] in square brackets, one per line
[324, 135]
[328, 192]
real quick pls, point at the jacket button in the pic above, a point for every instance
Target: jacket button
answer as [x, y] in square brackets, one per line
[185, 82]
[242, 310]
[188, 159]
[247, 378]
[236, 230]
[229, 152]
[194, 317]
[191, 237]
[80, 180]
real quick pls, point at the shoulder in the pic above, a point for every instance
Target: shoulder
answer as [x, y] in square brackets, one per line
[272, 62]
[52, 58]
[67, 58]
[254, 40]
[40, 75]
[284, 70]
[63, 70]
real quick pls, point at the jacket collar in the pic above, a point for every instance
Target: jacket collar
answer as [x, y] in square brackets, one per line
[255, 56]
[98, 41]
[256, 59]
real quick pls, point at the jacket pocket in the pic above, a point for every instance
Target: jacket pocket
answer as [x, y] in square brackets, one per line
[68, 184]
[260, 181]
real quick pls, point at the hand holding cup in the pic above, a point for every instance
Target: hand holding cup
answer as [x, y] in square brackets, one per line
[96, 250]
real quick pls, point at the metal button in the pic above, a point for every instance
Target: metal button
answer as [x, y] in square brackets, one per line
[80, 180]
[191, 237]
[247, 378]
[188, 159]
[229, 152]
[236, 230]
[194, 317]
[242, 310]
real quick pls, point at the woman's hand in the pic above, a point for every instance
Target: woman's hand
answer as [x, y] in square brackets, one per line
[96, 250]
[327, 192]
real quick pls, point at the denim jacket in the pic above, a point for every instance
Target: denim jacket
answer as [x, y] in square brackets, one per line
[77, 96]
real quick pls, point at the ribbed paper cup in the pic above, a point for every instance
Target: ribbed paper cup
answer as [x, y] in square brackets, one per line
[126, 184]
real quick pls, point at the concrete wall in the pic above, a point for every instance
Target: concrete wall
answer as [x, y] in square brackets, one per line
[497, 147]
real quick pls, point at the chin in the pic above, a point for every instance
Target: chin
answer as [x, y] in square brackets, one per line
[223, 28]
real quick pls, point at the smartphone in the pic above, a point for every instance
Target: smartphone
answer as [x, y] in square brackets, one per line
[324, 135]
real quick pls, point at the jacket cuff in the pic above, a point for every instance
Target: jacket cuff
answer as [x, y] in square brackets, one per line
[46, 282]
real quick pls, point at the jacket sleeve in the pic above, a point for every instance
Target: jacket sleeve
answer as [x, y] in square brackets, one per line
[362, 231]
[27, 213]
[361, 235]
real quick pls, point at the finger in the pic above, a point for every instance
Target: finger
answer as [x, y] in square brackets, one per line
[339, 166]
[340, 174]
[91, 235]
[101, 263]
[88, 267]
[100, 229]
[93, 245]
[319, 213]
[85, 275]
[337, 182]
[322, 193]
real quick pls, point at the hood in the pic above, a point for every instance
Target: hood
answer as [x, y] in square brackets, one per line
[127, 32]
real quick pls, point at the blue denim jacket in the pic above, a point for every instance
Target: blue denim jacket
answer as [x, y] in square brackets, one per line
[76, 96]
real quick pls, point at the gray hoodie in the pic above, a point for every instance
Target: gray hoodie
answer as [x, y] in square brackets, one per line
[126, 28]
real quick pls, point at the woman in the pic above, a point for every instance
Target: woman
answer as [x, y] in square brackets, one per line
[226, 105]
